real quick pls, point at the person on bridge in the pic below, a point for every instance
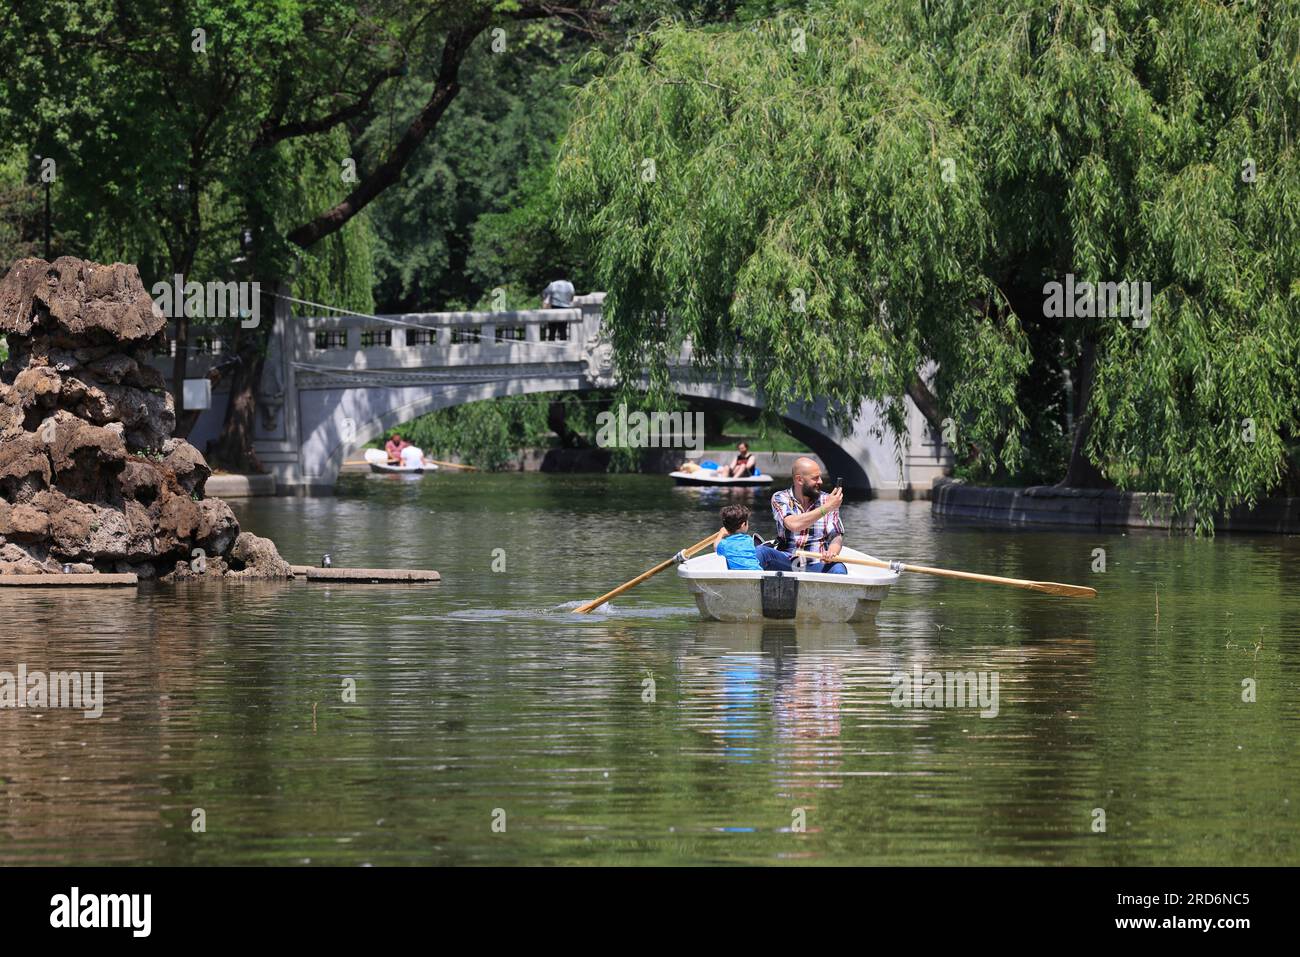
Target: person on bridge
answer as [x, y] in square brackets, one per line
[742, 465]
[808, 518]
[394, 448]
[558, 295]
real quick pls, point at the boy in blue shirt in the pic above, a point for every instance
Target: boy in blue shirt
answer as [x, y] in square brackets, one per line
[738, 547]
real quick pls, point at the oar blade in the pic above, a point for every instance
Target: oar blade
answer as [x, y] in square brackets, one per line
[1065, 591]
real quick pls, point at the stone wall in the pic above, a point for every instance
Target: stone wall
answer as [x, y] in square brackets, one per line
[1097, 508]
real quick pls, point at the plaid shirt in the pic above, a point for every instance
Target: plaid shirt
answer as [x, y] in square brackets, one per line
[816, 536]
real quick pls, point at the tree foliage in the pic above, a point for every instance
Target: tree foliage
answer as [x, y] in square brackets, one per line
[491, 434]
[921, 172]
[786, 212]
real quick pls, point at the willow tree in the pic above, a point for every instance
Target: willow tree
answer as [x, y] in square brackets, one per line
[828, 202]
[799, 203]
[1150, 142]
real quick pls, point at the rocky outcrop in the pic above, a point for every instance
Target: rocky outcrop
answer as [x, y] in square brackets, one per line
[90, 475]
[256, 557]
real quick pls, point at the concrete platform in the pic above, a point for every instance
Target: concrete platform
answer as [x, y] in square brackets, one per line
[373, 576]
[240, 486]
[128, 580]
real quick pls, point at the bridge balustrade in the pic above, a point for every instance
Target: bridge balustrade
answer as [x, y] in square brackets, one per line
[378, 343]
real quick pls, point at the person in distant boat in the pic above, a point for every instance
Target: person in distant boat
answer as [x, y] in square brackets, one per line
[394, 448]
[413, 457]
[557, 295]
[736, 544]
[809, 519]
[742, 465]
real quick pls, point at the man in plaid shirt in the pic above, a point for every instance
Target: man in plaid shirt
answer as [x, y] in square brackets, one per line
[808, 518]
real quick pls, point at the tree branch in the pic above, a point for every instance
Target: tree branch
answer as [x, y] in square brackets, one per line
[272, 133]
[444, 91]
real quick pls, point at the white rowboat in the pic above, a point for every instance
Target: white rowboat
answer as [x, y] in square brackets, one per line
[726, 595]
[378, 460]
[711, 477]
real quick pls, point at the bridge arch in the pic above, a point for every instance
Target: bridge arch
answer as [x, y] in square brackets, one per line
[343, 420]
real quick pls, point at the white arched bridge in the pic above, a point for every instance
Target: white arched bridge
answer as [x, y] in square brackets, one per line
[333, 383]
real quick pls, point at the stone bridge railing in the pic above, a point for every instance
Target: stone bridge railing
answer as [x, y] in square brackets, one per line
[411, 341]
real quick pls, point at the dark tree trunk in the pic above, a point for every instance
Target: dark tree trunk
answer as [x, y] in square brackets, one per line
[181, 266]
[181, 337]
[186, 419]
[926, 402]
[558, 423]
[233, 449]
[1081, 472]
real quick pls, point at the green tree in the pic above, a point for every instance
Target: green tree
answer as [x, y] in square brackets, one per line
[475, 211]
[829, 220]
[508, 126]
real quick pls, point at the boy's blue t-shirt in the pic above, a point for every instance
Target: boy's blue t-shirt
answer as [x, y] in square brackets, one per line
[740, 552]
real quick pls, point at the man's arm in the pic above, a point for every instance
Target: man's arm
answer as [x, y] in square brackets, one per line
[835, 529]
[799, 521]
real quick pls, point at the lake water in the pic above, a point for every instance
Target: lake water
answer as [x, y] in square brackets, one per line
[490, 727]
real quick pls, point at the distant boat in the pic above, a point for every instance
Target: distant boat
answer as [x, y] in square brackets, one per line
[711, 477]
[379, 463]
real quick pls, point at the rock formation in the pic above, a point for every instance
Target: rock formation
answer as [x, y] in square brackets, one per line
[89, 472]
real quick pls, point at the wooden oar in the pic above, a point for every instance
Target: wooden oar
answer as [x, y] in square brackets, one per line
[1050, 588]
[688, 552]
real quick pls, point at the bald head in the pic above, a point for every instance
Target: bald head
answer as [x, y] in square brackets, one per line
[804, 466]
[806, 478]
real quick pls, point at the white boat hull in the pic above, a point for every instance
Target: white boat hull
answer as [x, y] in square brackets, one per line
[725, 595]
[379, 464]
[400, 469]
[711, 477]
